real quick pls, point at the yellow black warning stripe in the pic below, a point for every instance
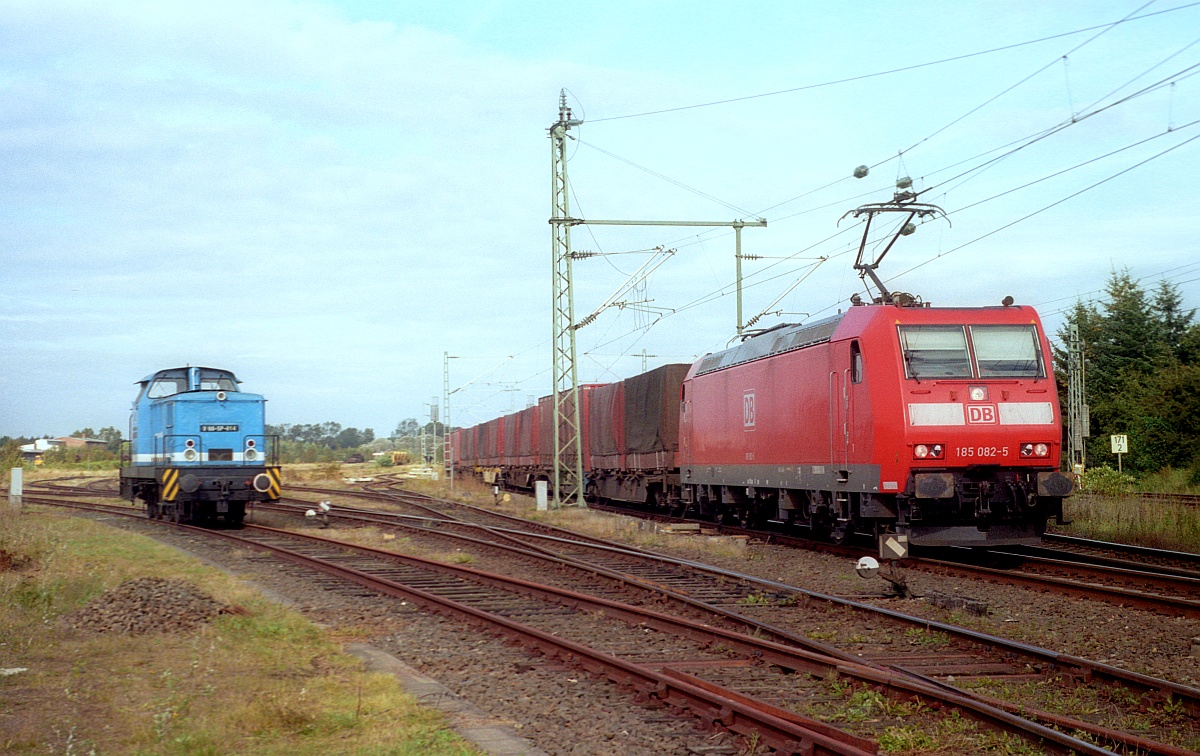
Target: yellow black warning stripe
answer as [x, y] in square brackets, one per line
[170, 484]
[276, 487]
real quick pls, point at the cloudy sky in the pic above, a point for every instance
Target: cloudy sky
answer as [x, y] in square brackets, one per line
[326, 197]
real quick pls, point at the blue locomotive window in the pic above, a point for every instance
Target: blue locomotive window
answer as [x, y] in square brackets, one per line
[935, 352]
[166, 387]
[1003, 351]
[222, 383]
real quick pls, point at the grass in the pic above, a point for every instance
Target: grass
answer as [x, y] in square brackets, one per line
[263, 682]
[1125, 519]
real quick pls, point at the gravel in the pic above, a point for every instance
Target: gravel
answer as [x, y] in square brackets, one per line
[147, 605]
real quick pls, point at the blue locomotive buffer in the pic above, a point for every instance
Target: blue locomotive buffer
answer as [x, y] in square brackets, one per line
[198, 450]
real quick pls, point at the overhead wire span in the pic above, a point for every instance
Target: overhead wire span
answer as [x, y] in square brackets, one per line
[901, 69]
[1010, 88]
[744, 213]
[1179, 75]
[975, 109]
[1047, 207]
[1137, 280]
[1073, 167]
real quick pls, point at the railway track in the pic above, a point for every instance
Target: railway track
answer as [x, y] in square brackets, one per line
[696, 587]
[609, 638]
[1001, 660]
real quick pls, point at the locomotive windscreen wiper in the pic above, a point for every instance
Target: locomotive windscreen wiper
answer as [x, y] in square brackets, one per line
[909, 366]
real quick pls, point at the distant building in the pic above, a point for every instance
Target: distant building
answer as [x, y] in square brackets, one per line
[33, 451]
[80, 443]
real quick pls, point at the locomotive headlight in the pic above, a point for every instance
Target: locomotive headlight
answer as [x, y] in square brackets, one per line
[937, 451]
[920, 451]
[190, 455]
[1026, 450]
[250, 454]
[250, 443]
[978, 393]
[1041, 450]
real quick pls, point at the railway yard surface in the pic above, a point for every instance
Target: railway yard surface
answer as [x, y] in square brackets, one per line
[872, 676]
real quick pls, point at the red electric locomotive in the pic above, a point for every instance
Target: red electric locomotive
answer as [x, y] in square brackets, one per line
[894, 417]
[939, 423]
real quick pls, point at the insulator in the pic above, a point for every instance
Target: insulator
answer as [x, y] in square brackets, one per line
[861, 171]
[908, 229]
[903, 182]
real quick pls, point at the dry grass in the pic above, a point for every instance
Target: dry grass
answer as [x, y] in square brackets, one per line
[263, 682]
[1125, 519]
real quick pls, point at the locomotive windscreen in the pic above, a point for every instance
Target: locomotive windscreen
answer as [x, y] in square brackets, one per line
[935, 351]
[1000, 351]
[1004, 351]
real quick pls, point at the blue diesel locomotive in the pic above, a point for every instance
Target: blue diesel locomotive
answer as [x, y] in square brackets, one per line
[198, 450]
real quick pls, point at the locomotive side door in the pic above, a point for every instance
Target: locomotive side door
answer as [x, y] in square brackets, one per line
[845, 373]
[685, 424]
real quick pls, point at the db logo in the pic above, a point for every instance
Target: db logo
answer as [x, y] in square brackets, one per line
[748, 409]
[981, 413]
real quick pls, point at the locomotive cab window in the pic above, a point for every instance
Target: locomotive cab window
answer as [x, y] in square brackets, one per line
[935, 352]
[163, 387]
[856, 363]
[1003, 351]
[217, 384]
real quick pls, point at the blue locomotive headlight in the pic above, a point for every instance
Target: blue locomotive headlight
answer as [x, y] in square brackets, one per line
[190, 454]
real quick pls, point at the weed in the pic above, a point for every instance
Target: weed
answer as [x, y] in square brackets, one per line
[862, 704]
[462, 558]
[822, 634]
[34, 596]
[835, 683]
[920, 636]
[896, 739]
[758, 598]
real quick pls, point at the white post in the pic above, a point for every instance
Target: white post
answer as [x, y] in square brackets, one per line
[542, 499]
[14, 488]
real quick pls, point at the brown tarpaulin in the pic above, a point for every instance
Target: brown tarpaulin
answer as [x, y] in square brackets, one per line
[652, 409]
[604, 424]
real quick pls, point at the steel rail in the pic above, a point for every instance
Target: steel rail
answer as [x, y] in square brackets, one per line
[1125, 548]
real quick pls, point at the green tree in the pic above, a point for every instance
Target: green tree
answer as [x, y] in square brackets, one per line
[1142, 380]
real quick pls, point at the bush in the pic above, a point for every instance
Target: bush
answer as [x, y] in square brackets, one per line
[1106, 481]
[10, 457]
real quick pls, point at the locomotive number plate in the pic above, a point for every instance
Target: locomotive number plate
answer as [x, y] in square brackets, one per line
[982, 451]
[219, 428]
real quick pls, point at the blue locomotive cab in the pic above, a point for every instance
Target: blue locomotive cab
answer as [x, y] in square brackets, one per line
[198, 448]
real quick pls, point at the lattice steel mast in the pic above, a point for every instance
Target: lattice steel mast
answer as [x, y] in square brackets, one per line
[1077, 409]
[568, 443]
